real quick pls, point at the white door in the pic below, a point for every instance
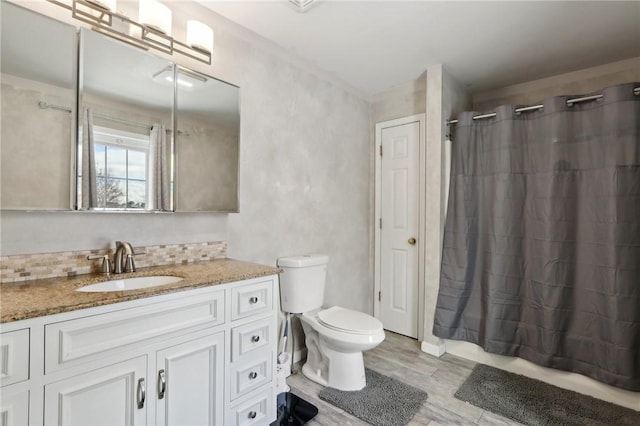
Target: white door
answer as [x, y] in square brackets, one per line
[112, 395]
[399, 174]
[189, 383]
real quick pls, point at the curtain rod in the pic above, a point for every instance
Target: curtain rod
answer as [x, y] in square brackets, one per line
[570, 102]
[45, 105]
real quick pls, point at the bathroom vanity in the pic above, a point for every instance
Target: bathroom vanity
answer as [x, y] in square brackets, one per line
[201, 351]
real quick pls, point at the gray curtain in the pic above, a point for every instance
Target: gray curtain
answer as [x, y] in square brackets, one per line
[541, 252]
[160, 154]
[89, 190]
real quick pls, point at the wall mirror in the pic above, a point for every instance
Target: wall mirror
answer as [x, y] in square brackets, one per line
[38, 65]
[146, 135]
[125, 126]
[207, 143]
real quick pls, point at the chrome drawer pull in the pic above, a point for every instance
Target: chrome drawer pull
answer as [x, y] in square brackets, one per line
[253, 300]
[255, 339]
[162, 384]
[142, 393]
[253, 375]
[252, 414]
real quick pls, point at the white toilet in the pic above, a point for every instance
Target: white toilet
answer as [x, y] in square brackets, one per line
[335, 337]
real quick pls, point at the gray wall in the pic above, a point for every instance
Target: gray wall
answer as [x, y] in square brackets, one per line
[304, 173]
[400, 101]
[445, 99]
[578, 82]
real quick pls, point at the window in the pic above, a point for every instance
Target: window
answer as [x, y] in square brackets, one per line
[122, 169]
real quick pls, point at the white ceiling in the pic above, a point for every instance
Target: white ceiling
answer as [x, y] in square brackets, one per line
[375, 45]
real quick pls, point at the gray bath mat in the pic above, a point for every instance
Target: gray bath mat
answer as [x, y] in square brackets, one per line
[533, 402]
[383, 402]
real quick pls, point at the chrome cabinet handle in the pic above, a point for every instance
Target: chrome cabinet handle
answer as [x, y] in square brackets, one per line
[142, 393]
[255, 339]
[252, 414]
[253, 375]
[253, 300]
[162, 384]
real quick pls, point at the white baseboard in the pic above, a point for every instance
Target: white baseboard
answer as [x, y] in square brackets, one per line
[564, 379]
[433, 349]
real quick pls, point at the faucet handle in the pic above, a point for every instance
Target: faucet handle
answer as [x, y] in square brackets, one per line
[106, 262]
[130, 265]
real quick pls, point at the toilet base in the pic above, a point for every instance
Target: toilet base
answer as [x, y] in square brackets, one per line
[343, 371]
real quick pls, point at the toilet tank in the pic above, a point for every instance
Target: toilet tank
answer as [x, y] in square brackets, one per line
[302, 282]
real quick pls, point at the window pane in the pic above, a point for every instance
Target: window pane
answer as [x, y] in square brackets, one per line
[137, 194]
[99, 156]
[116, 162]
[114, 192]
[137, 165]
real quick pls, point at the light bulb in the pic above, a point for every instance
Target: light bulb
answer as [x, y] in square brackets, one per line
[199, 35]
[155, 15]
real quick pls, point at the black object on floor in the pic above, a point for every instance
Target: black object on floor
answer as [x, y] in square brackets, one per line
[532, 402]
[293, 410]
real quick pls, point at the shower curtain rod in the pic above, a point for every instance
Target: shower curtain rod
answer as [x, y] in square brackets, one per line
[570, 102]
[45, 105]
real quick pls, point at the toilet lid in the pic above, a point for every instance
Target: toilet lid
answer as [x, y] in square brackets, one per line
[349, 321]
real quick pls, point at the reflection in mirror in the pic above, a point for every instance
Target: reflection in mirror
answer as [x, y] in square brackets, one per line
[38, 67]
[125, 149]
[207, 145]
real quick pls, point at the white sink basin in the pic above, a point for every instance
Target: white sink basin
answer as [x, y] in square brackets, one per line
[130, 283]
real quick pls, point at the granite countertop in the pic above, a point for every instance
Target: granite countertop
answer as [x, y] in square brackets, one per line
[37, 298]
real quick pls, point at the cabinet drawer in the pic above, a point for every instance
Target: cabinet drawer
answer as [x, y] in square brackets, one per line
[257, 408]
[248, 376]
[84, 339]
[249, 339]
[251, 299]
[14, 357]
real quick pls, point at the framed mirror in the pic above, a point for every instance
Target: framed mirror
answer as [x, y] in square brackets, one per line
[207, 143]
[120, 129]
[38, 66]
[125, 127]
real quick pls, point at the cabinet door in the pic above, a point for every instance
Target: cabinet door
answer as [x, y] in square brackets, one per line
[14, 408]
[112, 395]
[189, 382]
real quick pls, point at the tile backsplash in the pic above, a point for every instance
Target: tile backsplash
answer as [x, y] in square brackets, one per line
[25, 267]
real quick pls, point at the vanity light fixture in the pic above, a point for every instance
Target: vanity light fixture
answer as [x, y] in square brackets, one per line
[199, 36]
[153, 14]
[152, 31]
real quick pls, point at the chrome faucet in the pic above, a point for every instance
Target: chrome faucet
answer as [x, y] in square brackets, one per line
[123, 258]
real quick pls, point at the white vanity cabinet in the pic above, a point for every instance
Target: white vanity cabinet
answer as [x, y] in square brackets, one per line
[189, 382]
[111, 395]
[204, 356]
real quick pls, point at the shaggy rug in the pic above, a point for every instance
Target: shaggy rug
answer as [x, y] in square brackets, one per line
[533, 402]
[383, 401]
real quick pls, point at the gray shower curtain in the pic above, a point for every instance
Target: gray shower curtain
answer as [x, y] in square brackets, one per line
[160, 153]
[541, 252]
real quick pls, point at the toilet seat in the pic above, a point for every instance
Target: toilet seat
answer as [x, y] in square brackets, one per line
[348, 321]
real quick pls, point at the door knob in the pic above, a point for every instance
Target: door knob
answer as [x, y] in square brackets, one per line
[411, 241]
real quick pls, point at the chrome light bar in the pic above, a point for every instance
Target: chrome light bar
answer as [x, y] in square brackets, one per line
[129, 31]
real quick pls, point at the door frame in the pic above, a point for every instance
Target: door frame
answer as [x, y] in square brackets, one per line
[422, 199]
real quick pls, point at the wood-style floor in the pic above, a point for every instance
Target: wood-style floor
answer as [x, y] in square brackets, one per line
[401, 358]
